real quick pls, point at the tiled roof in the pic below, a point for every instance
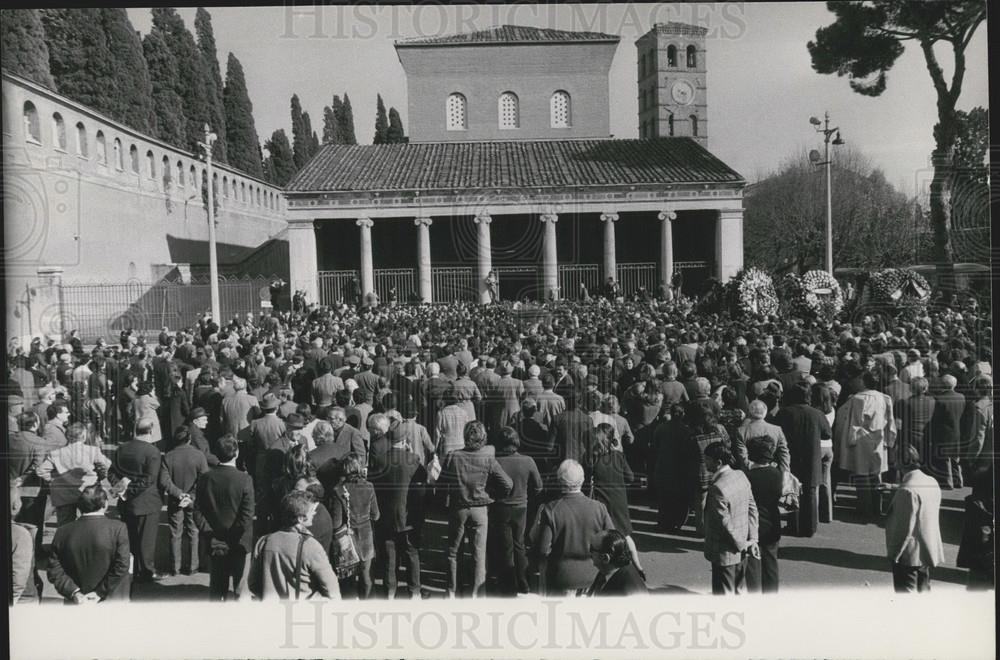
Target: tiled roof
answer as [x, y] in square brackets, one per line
[521, 164]
[508, 34]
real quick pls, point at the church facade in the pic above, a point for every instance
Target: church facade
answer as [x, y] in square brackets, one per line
[511, 168]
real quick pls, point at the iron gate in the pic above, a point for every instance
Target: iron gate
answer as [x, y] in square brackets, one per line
[632, 276]
[333, 285]
[454, 283]
[570, 278]
[401, 278]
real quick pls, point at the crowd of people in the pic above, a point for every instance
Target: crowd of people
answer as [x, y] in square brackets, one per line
[294, 449]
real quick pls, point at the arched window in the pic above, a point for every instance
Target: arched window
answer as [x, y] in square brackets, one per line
[507, 111]
[692, 57]
[671, 56]
[102, 149]
[180, 174]
[58, 131]
[559, 110]
[150, 165]
[243, 191]
[225, 187]
[259, 197]
[651, 63]
[82, 148]
[133, 156]
[119, 155]
[455, 112]
[165, 168]
[32, 129]
[694, 125]
[193, 178]
[670, 125]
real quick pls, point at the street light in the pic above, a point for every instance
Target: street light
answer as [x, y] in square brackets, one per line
[824, 128]
[213, 259]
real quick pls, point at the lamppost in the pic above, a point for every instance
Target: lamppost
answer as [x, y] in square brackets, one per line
[213, 259]
[824, 128]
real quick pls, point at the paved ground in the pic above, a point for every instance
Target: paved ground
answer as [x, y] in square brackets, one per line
[847, 553]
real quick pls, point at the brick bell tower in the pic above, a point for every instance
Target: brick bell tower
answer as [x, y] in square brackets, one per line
[673, 100]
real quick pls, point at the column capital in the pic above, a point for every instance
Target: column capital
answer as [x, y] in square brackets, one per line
[667, 214]
[483, 218]
[549, 217]
[609, 215]
[424, 220]
[364, 222]
[730, 214]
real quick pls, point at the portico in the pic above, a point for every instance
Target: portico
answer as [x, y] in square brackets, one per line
[622, 219]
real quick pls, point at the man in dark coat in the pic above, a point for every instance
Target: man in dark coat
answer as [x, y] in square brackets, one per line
[572, 435]
[804, 427]
[399, 488]
[182, 466]
[89, 558]
[946, 434]
[914, 414]
[224, 498]
[138, 460]
[196, 429]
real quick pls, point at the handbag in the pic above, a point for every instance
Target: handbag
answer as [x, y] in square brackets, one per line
[344, 550]
[433, 470]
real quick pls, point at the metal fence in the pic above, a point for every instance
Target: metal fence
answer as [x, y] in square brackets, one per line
[632, 276]
[333, 285]
[453, 283]
[571, 276]
[97, 309]
[401, 278]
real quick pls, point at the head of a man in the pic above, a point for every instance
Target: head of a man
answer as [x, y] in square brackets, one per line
[298, 508]
[337, 418]
[570, 476]
[609, 550]
[757, 409]
[92, 499]
[717, 455]
[228, 448]
[144, 430]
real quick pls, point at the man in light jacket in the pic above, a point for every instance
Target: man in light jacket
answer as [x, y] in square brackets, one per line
[290, 563]
[731, 522]
[912, 527]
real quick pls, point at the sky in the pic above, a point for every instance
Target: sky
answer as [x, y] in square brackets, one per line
[761, 86]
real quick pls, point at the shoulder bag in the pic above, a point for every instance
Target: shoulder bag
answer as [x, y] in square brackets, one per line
[344, 550]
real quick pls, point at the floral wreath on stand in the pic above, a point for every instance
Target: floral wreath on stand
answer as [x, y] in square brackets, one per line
[905, 291]
[821, 294]
[752, 292]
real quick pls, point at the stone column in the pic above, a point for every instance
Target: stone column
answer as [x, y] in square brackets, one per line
[667, 218]
[610, 262]
[303, 264]
[550, 258]
[484, 252]
[425, 288]
[367, 269]
[729, 243]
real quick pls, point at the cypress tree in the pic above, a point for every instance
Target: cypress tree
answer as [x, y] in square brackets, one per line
[169, 107]
[329, 126]
[191, 73]
[280, 164]
[381, 122]
[308, 133]
[347, 122]
[134, 87]
[79, 58]
[315, 143]
[25, 52]
[241, 134]
[300, 134]
[213, 80]
[395, 134]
